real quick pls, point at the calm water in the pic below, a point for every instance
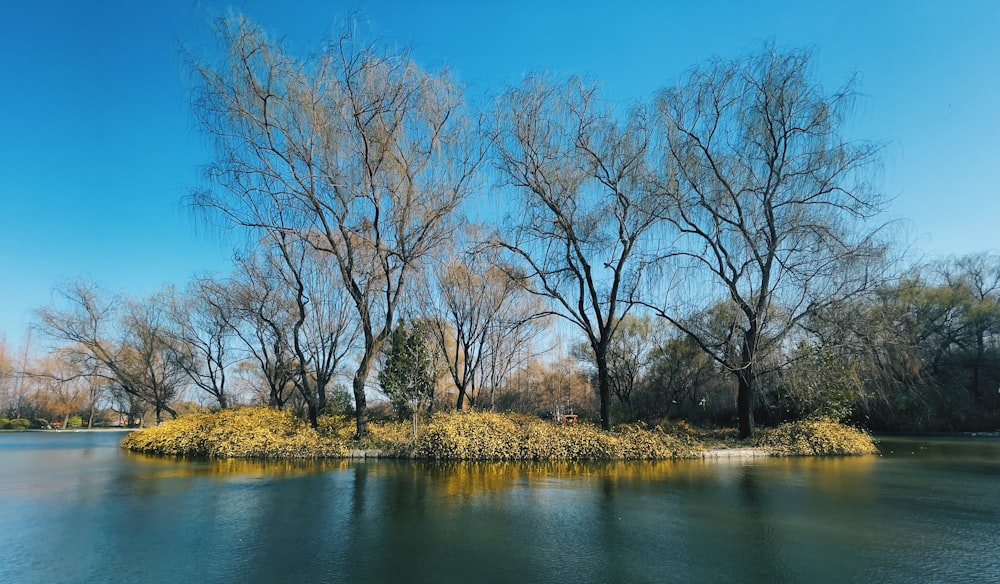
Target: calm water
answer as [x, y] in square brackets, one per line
[74, 508]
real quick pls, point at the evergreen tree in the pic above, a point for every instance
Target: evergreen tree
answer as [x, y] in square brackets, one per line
[409, 370]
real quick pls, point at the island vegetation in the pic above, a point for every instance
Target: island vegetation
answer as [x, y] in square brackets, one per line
[428, 278]
[264, 433]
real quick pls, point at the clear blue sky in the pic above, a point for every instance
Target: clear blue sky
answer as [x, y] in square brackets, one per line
[98, 147]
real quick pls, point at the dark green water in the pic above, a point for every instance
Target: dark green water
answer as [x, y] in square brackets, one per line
[74, 508]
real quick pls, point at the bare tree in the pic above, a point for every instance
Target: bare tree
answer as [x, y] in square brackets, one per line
[471, 303]
[63, 389]
[356, 149]
[629, 355]
[772, 204]
[322, 330]
[583, 231]
[201, 328]
[123, 343]
[8, 382]
[263, 324]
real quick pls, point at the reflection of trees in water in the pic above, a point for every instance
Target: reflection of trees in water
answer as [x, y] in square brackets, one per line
[153, 466]
[764, 556]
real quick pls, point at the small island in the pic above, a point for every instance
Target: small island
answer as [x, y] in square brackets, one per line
[264, 433]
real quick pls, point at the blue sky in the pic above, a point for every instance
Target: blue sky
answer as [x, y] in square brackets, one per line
[99, 147]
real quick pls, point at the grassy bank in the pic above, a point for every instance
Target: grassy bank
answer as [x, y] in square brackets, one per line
[262, 433]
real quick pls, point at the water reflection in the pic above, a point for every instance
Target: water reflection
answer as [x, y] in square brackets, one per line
[87, 509]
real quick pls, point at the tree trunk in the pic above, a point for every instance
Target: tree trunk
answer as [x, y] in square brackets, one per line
[744, 402]
[745, 385]
[604, 388]
[360, 402]
[977, 388]
[312, 413]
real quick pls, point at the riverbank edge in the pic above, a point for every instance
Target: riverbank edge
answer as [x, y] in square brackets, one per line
[719, 454]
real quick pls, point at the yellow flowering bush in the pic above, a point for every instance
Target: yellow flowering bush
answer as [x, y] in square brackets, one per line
[816, 437]
[394, 439]
[469, 436]
[639, 443]
[243, 433]
[490, 436]
[262, 433]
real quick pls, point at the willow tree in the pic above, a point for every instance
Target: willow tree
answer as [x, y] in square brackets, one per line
[772, 204]
[479, 315]
[354, 148]
[581, 231]
[122, 344]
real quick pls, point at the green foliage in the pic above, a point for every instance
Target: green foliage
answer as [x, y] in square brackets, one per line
[74, 422]
[20, 424]
[39, 423]
[260, 433]
[4, 423]
[820, 385]
[340, 401]
[816, 437]
[410, 370]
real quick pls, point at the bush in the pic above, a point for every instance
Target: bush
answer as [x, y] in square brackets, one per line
[260, 433]
[74, 422]
[40, 423]
[20, 424]
[816, 437]
[489, 436]
[469, 436]
[4, 423]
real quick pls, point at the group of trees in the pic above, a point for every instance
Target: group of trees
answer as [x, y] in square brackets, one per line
[719, 240]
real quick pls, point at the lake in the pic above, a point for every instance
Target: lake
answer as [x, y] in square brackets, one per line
[75, 508]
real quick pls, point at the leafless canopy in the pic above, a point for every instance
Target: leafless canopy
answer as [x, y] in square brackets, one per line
[583, 230]
[356, 148]
[772, 203]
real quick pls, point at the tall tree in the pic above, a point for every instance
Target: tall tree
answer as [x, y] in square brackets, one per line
[583, 229]
[772, 204]
[355, 148]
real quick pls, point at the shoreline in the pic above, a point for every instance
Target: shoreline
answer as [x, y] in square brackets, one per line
[739, 453]
[53, 430]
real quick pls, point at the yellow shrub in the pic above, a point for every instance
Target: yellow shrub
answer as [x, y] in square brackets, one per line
[243, 433]
[469, 436]
[489, 436]
[262, 433]
[816, 437]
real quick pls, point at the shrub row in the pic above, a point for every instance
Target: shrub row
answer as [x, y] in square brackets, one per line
[489, 436]
[15, 424]
[263, 433]
[244, 433]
